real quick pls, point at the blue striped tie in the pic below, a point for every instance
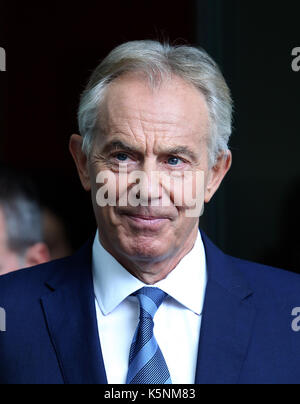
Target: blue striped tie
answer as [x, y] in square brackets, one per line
[146, 362]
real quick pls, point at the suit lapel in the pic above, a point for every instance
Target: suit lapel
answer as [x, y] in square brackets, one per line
[70, 315]
[227, 322]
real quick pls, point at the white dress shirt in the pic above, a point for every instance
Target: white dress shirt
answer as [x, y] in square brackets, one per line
[176, 324]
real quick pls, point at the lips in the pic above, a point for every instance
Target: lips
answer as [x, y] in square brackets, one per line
[143, 217]
[146, 222]
[149, 213]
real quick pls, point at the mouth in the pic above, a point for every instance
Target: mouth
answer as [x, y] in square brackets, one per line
[144, 222]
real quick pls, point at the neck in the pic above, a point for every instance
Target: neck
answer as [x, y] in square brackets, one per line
[153, 271]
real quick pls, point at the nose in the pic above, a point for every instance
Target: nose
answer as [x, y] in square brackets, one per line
[150, 190]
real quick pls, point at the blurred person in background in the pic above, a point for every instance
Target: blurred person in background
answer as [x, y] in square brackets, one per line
[55, 234]
[21, 231]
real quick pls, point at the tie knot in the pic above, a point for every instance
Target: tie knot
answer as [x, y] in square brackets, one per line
[150, 299]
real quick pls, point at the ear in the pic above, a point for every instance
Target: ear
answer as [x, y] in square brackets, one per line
[75, 147]
[37, 254]
[217, 173]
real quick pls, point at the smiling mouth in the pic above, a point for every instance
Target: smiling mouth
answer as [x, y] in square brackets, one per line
[143, 217]
[146, 222]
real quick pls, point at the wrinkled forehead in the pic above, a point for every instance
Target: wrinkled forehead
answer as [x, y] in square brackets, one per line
[173, 105]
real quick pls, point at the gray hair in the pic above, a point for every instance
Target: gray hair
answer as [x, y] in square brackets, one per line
[22, 213]
[159, 61]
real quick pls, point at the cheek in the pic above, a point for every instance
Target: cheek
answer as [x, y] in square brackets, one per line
[111, 188]
[186, 190]
[122, 189]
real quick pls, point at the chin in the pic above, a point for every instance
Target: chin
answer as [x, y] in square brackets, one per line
[144, 248]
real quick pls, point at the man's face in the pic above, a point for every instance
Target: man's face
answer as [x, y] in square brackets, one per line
[9, 261]
[163, 131]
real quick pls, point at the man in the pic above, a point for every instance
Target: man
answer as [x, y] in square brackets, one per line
[151, 300]
[21, 238]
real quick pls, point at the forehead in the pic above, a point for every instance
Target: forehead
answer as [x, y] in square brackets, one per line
[174, 105]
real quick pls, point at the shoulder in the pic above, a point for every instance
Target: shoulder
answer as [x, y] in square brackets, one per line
[29, 284]
[285, 279]
[29, 281]
[269, 281]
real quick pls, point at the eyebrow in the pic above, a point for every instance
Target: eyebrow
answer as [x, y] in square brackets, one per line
[177, 150]
[118, 145]
[182, 150]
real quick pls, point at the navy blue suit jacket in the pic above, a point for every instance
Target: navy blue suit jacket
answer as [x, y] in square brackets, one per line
[246, 336]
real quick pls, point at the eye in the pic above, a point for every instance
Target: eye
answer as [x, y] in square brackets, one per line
[121, 156]
[174, 161]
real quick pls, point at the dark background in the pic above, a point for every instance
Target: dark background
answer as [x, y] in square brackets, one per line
[51, 50]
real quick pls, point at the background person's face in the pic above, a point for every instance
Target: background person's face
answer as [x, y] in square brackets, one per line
[9, 261]
[141, 128]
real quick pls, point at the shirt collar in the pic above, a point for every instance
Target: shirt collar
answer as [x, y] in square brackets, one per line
[186, 283]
